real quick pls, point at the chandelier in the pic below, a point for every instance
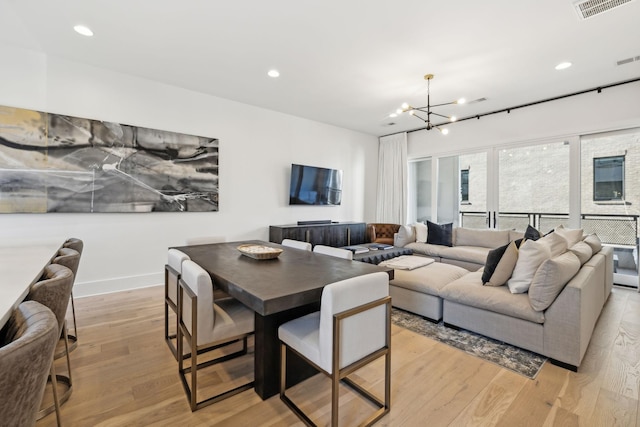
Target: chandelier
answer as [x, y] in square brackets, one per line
[424, 113]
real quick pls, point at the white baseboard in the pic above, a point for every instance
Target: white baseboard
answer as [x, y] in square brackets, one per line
[119, 284]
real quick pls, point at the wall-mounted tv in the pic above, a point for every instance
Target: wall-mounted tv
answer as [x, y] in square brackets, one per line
[311, 185]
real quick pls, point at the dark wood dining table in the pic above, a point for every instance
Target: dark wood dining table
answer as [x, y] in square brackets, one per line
[277, 290]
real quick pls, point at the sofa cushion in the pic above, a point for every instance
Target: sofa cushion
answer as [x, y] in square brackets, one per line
[504, 268]
[572, 235]
[493, 258]
[473, 254]
[594, 241]
[583, 251]
[556, 242]
[532, 253]
[515, 235]
[429, 279]
[550, 278]
[420, 232]
[468, 290]
[440, 234]
[406, 235]
[483, 238]
[426, 249]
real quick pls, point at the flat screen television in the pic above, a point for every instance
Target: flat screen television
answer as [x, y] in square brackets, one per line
[311, 185]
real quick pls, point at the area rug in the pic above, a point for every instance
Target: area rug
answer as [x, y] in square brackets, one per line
[507, 356]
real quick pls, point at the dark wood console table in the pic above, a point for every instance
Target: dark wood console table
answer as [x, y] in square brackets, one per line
[335, 234]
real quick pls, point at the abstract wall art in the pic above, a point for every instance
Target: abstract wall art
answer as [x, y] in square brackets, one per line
[57, 163]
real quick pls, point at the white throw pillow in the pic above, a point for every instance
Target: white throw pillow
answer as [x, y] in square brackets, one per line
[594, 241]
[556, 242]
[551, 278]
[421, 232]
[405, 236]
[583, 251]
[532, 253]
[572, 235]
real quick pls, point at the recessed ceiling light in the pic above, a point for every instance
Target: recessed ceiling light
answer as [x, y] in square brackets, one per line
[563, 65]
[273, 73]
[85, 31]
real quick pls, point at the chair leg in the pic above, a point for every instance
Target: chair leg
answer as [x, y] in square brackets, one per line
[54, 387]
[335, 393]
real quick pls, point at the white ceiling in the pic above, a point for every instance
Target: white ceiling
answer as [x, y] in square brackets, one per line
[349, 63]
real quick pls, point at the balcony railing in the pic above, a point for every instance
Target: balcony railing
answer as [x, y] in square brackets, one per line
[615, 230]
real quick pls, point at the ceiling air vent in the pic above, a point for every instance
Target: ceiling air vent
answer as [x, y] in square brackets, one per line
[590, 8]
[475, 101]
[628, 60]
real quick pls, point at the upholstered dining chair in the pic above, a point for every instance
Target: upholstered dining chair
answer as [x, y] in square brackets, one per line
[208, 240]
[172, 272]
[70, 258]
[26, 352]
[297, 244]
[351, 330]
[206, 325]
[336, 252]
[77, 245]
[53, 290]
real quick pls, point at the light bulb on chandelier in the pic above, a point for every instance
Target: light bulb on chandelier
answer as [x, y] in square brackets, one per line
[417, 111]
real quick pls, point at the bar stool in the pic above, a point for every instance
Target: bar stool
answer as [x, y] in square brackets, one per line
[26, 350]
[53, 290]
[77, 245]
[70, 258]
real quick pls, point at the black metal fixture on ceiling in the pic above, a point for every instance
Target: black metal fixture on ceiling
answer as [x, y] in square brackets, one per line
[420, 111]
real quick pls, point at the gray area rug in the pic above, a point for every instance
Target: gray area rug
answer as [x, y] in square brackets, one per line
[505, 355]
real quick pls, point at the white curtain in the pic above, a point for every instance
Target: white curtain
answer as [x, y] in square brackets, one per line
[392, 179]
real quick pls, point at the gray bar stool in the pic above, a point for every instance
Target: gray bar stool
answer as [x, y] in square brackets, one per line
[77, 245]
[27, 342]
[53, 290]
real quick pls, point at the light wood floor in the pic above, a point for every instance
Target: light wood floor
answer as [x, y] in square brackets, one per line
[125, 375]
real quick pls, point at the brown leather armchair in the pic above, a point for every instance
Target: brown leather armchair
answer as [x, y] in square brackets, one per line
[381, 232]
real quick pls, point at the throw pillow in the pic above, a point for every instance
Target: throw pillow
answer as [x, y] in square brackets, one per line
[572, 235]
[594, 241]
[493, 258]
[406, 235]
[532, 234]
[504, 268]
[582, 251]
[550, 278]
[440, 234]
[532, 253]
[556, 242]
[421, 232]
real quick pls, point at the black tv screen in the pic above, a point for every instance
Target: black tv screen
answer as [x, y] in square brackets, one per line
[312, 185]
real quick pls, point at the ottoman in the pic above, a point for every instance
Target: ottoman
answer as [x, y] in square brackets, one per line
[418, 290]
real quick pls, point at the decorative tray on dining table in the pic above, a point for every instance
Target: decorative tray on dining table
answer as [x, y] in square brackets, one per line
[259, 251]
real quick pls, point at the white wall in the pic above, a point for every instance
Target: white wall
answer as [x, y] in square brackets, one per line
[257, 147]
[614, 108]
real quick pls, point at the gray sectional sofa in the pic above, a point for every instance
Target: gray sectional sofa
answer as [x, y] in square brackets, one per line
[560, 331]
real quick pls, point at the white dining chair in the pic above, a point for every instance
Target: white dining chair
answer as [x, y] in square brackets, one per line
[206, 325]
[172, 272]
[351, 330]
[297, 244]
[336, 252]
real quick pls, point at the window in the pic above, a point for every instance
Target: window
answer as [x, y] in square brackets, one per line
[608, 178]
[464, 185]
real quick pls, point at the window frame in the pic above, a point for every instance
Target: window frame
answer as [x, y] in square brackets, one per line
[596, 198]
[462, 183]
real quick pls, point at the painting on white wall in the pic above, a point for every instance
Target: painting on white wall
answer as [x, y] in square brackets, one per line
[57, 163]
